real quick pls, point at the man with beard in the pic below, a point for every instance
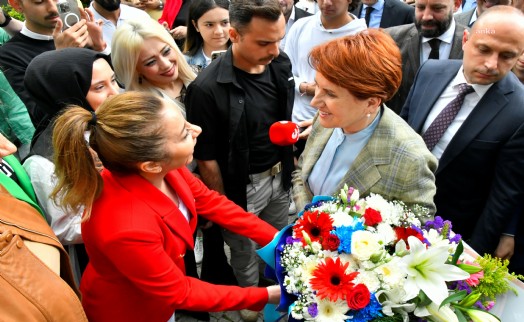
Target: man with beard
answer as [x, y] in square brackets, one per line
[113, 13]
[235, 100]
[42, 32]
[292, 14]
[434, 35]
[470, 115]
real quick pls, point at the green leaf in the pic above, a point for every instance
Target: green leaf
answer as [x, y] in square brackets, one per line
[471, 269]
[458, 252]
[460, 316]
[454, 297]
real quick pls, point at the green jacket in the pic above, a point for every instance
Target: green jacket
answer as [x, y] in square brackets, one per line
[15, 123]
[23, 191]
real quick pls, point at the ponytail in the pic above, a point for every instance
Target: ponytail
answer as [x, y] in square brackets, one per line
[79, 182]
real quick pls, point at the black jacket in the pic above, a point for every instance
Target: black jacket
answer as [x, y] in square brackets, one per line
[215, 101]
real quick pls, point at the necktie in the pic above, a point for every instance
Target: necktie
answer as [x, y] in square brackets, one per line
[435, 46]
[368, 14]
[441, 123]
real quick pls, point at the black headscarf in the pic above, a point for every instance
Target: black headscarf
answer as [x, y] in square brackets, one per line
[55, 80]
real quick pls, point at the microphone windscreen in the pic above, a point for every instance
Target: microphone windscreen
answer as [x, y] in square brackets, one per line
[284, 133]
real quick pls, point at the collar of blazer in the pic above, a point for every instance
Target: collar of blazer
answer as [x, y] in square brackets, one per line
[363, 173]
[143, 190]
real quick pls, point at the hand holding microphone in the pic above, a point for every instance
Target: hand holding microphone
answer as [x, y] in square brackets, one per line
[284, 133]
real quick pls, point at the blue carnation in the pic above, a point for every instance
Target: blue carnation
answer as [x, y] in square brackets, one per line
[372, 311]
[344, 234]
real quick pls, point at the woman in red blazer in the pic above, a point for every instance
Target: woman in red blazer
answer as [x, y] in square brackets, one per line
[141, 211]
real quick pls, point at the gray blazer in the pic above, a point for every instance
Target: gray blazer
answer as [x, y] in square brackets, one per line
[464, 18]
[408, 40]
[395, 163]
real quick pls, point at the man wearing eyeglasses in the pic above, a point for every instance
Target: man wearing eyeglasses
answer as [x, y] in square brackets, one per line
[468, 18]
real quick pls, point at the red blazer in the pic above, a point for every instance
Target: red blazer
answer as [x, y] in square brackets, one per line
[136, 239]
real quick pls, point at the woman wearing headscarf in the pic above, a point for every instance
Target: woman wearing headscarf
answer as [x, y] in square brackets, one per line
[57, 79]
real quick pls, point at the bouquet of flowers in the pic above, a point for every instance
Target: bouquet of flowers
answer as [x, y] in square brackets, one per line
[369, 259]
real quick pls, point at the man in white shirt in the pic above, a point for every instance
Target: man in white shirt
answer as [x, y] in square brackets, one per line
[332, 21]
[112, 13]
[470, 116]
[291, 14]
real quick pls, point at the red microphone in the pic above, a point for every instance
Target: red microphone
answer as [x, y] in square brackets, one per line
[284, 133]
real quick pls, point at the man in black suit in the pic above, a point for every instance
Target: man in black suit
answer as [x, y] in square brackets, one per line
[385, 13]
[480, 177]
[434, 26]
[292, 14]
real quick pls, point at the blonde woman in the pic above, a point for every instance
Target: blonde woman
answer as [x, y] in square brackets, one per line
[146, 58]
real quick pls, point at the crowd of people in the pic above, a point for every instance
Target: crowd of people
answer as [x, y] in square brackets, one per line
[143, 127]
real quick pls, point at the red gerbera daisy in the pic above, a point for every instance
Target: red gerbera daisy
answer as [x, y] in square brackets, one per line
[330, 279]
[316, 224]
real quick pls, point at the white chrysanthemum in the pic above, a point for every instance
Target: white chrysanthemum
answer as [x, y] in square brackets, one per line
[332, 311]
[364, 244]
[378, 203]
[308, 267]
[391, 273]
[341, 218]
[386, 233]
[348, 258]
[369, 279]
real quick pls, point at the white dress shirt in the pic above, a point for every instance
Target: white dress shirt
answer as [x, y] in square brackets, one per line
[470, 101]
[445, 45]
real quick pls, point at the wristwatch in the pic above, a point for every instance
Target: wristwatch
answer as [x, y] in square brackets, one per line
[161, 6]
[7, 19]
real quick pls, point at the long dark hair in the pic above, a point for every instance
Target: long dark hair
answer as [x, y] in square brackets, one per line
[194, 41]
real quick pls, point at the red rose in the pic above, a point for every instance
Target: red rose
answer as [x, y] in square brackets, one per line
[331, 242]
[359, 297]
[404, 233]
[372, 217]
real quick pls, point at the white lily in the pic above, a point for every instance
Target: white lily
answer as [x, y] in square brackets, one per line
[443, 314]
[481, 316]
[427, 270]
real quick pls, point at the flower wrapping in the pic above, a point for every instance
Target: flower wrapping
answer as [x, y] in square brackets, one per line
[369, 259]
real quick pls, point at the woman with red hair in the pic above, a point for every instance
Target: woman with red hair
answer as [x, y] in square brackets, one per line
[356, 139]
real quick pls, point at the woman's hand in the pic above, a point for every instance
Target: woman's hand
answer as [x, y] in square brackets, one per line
[179, 32]
[306, 125]
[273, 292]
[6, 147]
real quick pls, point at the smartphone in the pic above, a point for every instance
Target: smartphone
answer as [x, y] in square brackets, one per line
[69, 12]
[217, 53]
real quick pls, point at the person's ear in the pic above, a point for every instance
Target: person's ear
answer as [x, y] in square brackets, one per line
[465, 38]
[373, 104]
[234, 36]
[17, 5]
[195, 25]
[456, 5]
[150, 167]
